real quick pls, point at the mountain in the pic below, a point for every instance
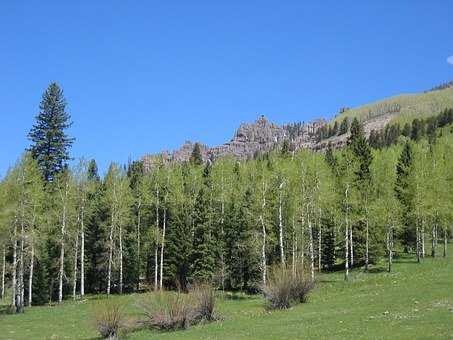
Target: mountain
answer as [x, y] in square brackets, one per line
[261, 136]
[249, 140]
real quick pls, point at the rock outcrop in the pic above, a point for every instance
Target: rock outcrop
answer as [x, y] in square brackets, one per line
[249, 140]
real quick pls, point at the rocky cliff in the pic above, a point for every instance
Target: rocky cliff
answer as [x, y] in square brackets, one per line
[249, 140]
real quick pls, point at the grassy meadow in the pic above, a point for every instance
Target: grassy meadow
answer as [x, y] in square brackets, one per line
[415, 301]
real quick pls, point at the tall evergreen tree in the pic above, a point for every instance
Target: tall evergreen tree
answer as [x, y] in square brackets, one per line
[405, 193]
[344, 126]
[92, 170]
[196, 157]
[50, 144]
[203, 254]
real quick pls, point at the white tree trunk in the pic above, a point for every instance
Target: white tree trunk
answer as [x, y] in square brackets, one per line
[74, 272]
[296, 251]
[263, 251]
[121, 257]
[346, 236]
[21, 264]
[367, 244]
[436, 236]
[390, 247]
[302, 244]
[312, 255]
[280, 226]
[351, 246]
[82, 253]
[222, 232]
[14, 269]
[417, 243]
[3, 271]
[156, 249]
[433, 242]
[156, 267]
[264, 236]
[423, 238]
[138, 244]
[30, 276]
[319, 243]
[222, 250]
[109, 271]
[162, 246]
[294, 248]
[346, 259]
[61, 271]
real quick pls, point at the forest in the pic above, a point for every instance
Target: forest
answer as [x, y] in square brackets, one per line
[67, 231]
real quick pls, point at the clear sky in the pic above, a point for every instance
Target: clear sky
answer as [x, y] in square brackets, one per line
[142, 76]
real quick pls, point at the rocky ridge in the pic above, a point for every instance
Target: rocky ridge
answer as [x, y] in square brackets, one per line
[249, 140]
[261, 136]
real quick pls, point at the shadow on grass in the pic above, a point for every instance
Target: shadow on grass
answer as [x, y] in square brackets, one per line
[237, 296]
[376, 270]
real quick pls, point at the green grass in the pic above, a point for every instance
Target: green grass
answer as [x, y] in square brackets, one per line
[412, 106]
[415, 301]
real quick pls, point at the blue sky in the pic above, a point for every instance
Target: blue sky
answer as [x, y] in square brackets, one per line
[142, 76]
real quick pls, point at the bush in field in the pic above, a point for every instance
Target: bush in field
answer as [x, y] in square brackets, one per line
[285, 288]
[167, 311]
[172, 311]
[109, 318]
[203, 297]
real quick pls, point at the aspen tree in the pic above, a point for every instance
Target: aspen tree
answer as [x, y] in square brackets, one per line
[83, 187]
[64, 192]
[118, 196]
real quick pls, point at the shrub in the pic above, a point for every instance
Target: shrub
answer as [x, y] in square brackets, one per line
[203, 297]
[285, 288]
[167, 311]
[109, 318]
[172, 311]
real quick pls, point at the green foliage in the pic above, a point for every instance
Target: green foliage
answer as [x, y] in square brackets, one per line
[50, 143]
[196, 157]
[228, 221]
[203, 243]
[344, 126]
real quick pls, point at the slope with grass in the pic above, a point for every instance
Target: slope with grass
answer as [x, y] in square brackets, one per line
[403, 108]
[415, 301]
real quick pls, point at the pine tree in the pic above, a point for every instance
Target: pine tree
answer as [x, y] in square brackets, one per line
[92, 171]
[96, 226]
[405, 193]
[203, 254]
[196, 157]
[418, 129]
[362, 153]
[406, 130]
[286, 147]
[329, 157]
[344, 126]
[50, 144]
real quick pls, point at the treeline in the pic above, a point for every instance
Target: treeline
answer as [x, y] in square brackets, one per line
[415, 130]
[442, 86]
[336, 129]
[68, 232]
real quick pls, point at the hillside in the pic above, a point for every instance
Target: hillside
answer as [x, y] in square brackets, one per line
[403, 107]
